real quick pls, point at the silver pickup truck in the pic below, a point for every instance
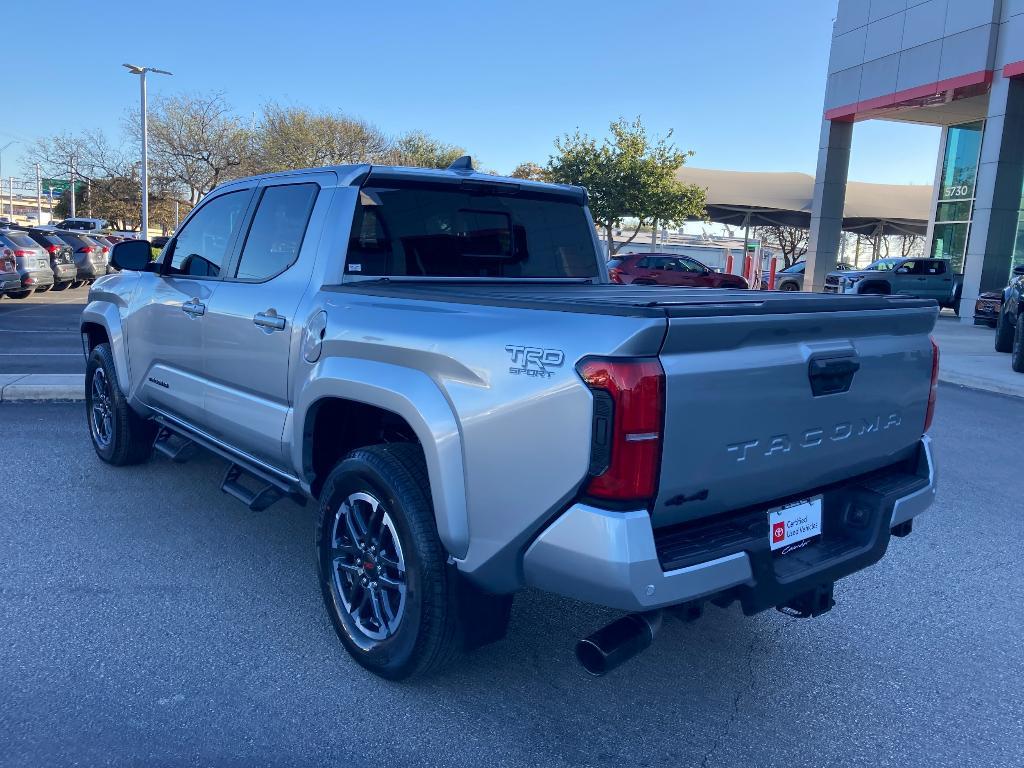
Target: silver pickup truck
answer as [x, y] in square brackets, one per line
[437, 360]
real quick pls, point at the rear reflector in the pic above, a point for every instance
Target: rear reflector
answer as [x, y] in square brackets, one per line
[933, 391]
[629, 404]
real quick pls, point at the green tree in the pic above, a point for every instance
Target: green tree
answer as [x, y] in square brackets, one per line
[421, 150]
[627, 176]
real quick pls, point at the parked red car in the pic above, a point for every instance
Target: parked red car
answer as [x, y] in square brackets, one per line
[668, 269]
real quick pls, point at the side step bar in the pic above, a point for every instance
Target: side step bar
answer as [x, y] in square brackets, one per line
[263, 488]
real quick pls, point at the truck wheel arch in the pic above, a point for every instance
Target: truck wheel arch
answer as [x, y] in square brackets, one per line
[101, 324]
[360, 390]
[879, 287]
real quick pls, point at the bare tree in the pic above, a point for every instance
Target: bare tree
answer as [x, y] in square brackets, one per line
[791, 241]
[196, 141]
[530, 171]
[421, 150]
[296, 137]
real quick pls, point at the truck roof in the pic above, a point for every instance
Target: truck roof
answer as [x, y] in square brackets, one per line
[355, 175]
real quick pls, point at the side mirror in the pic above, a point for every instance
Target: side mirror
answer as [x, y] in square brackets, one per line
[1019, 269]
[133, 255]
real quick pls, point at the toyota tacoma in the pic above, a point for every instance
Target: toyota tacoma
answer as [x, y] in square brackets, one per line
[437, 361]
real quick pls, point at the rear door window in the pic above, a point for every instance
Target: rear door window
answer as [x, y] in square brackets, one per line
[417, 229]
[22, 240]
[277, 229]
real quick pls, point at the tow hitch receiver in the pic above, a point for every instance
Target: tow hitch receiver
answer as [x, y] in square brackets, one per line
[807, 605]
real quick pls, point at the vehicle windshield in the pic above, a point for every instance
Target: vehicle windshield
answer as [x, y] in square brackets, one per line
[884, 265]
[798, 267]
[427, 230]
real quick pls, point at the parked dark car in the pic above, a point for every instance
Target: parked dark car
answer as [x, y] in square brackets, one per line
[986, 308]
[88, 257]
[668, 269]
[1010, 325]
[62, 257]
[30, 260]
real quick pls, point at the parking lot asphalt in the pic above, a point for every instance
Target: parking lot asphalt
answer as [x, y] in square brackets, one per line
[148, 619]
[40, 334]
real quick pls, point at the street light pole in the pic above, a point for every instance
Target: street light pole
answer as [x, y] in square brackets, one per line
[39, 197]
[72, 187]
[144, 175]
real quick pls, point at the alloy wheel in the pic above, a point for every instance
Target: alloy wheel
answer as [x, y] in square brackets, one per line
[101, 411]
[368, 569]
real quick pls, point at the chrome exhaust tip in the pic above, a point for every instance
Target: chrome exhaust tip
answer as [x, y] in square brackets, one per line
[614, 645]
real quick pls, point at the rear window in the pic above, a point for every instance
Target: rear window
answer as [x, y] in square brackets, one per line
[614, 263]
[21, 240]
[420, 230]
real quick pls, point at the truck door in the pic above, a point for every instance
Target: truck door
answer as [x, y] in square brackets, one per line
[166, 325]
[251, 319]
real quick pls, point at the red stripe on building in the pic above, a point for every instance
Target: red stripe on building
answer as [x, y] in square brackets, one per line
[1014, 69]
[950, 89]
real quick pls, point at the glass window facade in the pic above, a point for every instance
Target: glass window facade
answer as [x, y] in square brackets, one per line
[956, 193]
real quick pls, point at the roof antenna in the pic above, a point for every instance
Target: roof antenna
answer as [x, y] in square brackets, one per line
[464, 163]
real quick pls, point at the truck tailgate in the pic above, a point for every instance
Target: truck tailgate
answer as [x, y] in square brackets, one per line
[755, 407]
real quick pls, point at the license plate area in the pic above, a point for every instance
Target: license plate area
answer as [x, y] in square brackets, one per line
[793, 526]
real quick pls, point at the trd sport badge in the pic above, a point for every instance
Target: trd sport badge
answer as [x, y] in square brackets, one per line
[534, 361]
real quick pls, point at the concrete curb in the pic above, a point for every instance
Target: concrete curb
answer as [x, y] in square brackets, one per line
[28, 387]
[983, 384]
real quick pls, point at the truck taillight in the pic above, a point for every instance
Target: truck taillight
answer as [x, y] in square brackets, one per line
[23, 253]
[629, 406]
[933, 391]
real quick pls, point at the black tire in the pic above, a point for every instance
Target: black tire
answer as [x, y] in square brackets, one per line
[20, 294]
[789, 286]
[77, 283]
[1004, 333]
[421, 631]
[1017, 356]
[61, 286]
[43, 288]
[125, 437]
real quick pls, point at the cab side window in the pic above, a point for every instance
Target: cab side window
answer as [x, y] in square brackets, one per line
[201, 247]
[277, 229]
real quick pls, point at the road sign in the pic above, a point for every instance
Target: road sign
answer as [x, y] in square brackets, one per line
[60, 186]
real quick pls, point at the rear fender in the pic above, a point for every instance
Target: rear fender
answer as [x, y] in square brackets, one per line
[415, 397]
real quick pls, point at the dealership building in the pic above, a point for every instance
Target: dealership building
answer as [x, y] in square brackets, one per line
[958, 64]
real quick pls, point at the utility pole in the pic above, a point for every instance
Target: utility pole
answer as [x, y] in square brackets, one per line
[39, 197]
[72, 187]
[10, 188]
[176, 219]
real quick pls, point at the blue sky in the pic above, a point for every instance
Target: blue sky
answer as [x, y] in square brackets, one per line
[740, 82]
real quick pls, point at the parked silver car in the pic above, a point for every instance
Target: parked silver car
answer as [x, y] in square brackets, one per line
[792, 277]
[31, 262]
[10, 280]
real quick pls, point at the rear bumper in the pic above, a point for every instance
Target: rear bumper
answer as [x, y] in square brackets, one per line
[37, 278]
[614, 558]
[63, 273]
[91, 271]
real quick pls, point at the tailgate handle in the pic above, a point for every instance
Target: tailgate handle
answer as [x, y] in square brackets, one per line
[832, 375]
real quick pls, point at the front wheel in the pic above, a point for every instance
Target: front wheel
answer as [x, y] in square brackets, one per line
[1004, 333]
[119, 435]
[1017, 356]
[788, 287]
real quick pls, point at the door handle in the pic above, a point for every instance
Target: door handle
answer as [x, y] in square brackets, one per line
[269, 319]
[194, 308]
